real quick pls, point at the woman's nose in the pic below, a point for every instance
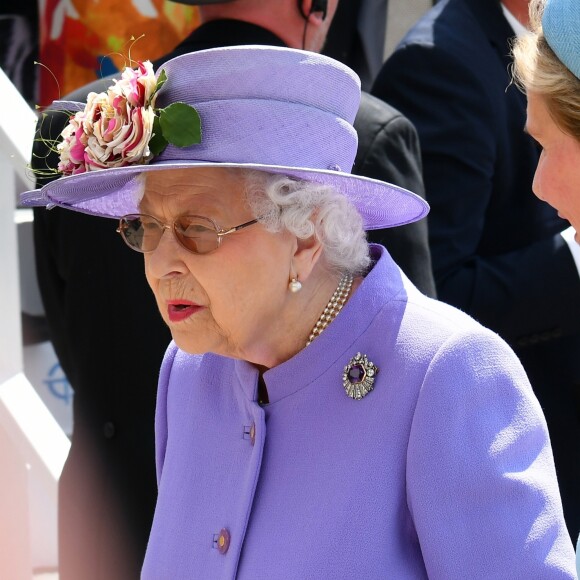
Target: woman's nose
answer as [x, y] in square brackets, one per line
[165, 260]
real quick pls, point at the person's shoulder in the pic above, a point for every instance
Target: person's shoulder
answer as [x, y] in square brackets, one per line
[376, 120]
[447, 54]
[419, 320]
[438, 314]
[375, 111]
[432, 326]
[447, 355]
[388, 147]
[450, 27]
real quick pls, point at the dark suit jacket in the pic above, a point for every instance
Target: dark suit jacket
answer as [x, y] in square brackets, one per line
[110, 339]
[496, 249]
[388, 149]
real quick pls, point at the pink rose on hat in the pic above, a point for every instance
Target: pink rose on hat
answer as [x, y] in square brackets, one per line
[138, 86]
[117, 126]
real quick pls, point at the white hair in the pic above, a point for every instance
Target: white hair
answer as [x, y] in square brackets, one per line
[306, 208]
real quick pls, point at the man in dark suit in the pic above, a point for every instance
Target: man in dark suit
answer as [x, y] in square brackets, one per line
[109, 336]
[388, 144]
[497, 250]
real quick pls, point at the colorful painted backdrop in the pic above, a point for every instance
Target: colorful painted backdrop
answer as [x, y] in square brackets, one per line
[81, 40]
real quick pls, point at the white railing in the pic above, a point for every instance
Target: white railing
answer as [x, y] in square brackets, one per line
[33, 447]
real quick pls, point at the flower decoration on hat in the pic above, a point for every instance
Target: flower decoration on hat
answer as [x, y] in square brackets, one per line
[121, 126]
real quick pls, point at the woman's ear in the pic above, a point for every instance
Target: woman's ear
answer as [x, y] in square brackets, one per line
[307, 252]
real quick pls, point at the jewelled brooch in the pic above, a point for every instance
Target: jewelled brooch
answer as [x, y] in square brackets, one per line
[359, 376]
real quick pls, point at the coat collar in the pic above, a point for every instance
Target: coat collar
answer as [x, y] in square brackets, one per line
[382, 286]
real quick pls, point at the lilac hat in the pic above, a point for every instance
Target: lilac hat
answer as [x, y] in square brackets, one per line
[278, 110]
[561, 26]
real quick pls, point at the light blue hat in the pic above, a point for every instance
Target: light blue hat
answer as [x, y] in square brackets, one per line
[561, 25]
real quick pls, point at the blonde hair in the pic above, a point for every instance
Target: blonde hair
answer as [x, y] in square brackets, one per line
[537, 68]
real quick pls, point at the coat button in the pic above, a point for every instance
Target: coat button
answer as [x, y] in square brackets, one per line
[223, 541]
[109, 430]
[250, 433]
[253, 434]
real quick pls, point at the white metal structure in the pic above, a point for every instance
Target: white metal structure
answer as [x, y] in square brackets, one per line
[33, 447]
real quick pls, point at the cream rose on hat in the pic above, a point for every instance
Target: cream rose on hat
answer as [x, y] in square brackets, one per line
[118, 127]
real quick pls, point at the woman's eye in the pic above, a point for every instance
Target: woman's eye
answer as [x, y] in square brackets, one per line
[149, 226]
[195, 230]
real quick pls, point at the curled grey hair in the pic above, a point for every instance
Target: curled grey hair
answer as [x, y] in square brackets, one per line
[306, 208]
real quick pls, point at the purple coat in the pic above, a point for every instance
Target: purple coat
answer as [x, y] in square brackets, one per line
[443, 471]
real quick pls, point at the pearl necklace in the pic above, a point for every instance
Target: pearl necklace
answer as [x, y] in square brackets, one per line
[334, 306]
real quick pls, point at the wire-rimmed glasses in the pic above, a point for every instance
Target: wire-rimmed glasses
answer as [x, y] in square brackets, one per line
[197, 234]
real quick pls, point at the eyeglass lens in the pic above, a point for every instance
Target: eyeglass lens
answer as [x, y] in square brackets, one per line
[195, 233]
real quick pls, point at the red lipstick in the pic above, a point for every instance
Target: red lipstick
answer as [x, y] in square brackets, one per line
[178, 310]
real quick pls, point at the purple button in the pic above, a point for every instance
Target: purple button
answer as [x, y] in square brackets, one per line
[223, 541]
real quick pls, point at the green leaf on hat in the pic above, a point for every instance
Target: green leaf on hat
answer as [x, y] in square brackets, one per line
[161, 79]
[180, 124]
[158, 142]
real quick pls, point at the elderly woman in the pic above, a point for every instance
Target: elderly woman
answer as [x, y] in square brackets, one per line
[547, 67]
[317, 416]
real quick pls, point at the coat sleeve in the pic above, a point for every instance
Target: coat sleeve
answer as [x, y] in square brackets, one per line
[389, 150]
[161, 426]
[458, 120]
[481, 482]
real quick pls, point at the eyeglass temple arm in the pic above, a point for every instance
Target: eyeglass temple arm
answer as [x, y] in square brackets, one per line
[236, 228]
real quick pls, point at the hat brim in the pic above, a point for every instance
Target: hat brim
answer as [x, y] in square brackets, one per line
[113, 192]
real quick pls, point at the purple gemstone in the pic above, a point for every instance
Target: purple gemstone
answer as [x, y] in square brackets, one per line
[356, 374]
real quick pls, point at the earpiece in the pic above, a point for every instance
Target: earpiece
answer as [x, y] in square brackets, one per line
[317, 6]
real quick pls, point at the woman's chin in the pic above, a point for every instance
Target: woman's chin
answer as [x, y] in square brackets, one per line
[193, 345]
[189, 345]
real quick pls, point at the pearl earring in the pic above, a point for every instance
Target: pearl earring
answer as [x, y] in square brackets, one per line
[294, 285]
